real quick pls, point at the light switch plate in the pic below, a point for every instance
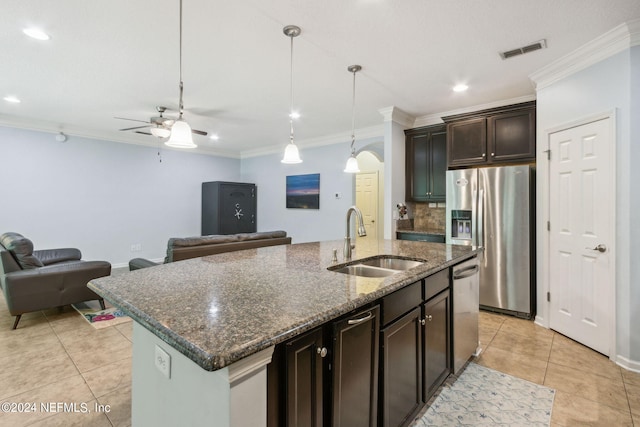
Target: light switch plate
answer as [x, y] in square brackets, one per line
[163, 362]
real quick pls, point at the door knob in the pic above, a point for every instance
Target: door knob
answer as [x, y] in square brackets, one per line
[599, 248]
[322, 351]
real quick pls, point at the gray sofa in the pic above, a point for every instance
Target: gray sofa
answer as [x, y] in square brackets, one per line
[192, 247]
[38, 280]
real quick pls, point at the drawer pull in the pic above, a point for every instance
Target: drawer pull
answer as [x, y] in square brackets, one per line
[364, 319]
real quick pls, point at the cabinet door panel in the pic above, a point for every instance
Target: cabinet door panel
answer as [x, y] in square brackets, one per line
[304, 381]
[438, 167]
[512, 136]
[402, 366]
[355, 370]
[417, 167]
[467, 142]
[437, 361]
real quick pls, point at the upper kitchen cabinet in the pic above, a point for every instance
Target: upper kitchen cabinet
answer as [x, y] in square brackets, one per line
[426, 163]
[498, 135]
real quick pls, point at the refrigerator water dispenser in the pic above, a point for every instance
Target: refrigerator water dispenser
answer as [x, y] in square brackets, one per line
[461, 225]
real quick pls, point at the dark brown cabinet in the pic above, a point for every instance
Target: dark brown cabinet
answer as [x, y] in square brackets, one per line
[304, 380]
[355, 370]
[377, 366]
[327, 376]
[513, 136]
[437, 331]
[498, 135]
[402, 370]
[426, 163]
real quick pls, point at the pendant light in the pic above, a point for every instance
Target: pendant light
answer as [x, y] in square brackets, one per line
[352, 162]
[291, 154]
[181, 136]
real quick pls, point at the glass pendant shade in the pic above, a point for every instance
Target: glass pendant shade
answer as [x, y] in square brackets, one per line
[160, 132]
[352, 165]
[291, 154]
[181, 136]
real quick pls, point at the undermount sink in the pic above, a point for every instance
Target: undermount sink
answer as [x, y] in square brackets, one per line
[365, 270]
[377, 267]
[392, 263]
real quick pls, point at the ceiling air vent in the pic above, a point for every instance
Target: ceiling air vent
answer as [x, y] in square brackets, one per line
[541, 44]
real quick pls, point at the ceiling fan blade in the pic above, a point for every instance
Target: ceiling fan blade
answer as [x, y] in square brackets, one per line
[199, 132]
[133, 120]
[143, 133]
[136, 127]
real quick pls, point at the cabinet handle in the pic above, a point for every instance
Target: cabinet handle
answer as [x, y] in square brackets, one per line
[484, 155]
[493, 154]
[322, 351]
[356, 321]
[423, 322]
[429, 318]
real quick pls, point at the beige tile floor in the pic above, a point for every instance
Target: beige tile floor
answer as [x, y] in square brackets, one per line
[57, 357]
[590, 389]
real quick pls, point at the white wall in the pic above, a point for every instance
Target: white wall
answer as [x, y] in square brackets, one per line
[304, 225]
[601, 88]
[102, 196]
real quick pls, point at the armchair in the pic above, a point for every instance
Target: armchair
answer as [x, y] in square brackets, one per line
[38, 280]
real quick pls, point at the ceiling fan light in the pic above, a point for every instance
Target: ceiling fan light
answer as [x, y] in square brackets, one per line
[291, 154]
[352, 165]
[160, 132]
[181, 136]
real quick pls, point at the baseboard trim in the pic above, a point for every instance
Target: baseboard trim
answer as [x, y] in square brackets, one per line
[628, 364]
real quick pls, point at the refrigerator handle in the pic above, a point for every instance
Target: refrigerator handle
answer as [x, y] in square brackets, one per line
[480, 219]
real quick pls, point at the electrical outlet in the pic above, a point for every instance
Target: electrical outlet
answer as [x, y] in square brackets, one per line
[338, 195]
[163, 362]
[136, 247]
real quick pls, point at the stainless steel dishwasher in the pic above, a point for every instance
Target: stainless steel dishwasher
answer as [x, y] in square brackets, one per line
[466, 308]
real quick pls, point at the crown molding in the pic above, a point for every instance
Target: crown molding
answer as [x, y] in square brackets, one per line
[54, 128]
[361, 134]
[434, 119]
[610, 43]
[394, 114]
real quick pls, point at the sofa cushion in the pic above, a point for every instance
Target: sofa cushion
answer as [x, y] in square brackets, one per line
[22, 249]
[262, 235]
[201, 240]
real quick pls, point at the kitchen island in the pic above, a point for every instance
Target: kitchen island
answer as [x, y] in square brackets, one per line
[205, 328]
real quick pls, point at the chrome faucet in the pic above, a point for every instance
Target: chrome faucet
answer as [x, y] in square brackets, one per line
[361, 231]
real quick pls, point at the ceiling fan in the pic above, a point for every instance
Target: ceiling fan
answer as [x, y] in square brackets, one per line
[159, 126]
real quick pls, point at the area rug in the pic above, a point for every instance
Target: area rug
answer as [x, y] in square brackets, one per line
[481, 397]
[99, 318]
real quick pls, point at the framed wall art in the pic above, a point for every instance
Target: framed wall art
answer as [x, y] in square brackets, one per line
[303, 191]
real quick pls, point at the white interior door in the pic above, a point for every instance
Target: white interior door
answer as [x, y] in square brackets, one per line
[367, 201]
[582, 223]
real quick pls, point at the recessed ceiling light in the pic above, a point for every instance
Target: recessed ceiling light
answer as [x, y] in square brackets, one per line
[460, 88]
[12, 99]
[214, 137]
[36, 33]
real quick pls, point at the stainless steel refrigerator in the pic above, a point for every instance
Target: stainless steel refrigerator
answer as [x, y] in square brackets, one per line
[494, 208]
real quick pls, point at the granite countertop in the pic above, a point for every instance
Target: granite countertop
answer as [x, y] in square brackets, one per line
[219, 309]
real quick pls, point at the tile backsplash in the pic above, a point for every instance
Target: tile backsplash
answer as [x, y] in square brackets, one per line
[427, 218]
